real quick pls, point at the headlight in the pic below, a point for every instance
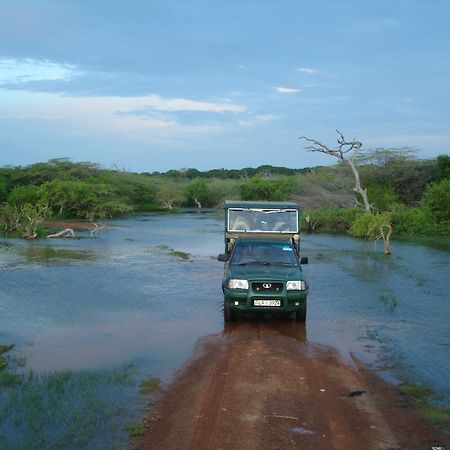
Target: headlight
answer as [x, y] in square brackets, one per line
[238, 284]
[299, 285]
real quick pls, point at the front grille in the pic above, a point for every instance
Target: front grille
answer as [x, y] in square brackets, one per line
[267, 287]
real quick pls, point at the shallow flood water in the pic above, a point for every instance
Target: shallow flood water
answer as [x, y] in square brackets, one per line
[130, 296]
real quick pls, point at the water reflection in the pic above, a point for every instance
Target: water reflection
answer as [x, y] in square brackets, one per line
[267, 326]
[87, 303]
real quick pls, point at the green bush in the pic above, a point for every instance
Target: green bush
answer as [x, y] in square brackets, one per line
[413, 221]
[27, 193]
[200, 191]
[332, 220]
[258, 188]
[437, 200]
[369, 226]
[383, 197]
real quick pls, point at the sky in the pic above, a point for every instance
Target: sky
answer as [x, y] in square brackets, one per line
[150, 85]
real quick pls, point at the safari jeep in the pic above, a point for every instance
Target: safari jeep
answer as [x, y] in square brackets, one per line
[263, 272]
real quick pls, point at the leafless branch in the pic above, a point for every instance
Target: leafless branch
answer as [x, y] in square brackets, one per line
[342, 149]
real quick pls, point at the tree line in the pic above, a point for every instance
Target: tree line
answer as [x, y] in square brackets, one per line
[415, 192]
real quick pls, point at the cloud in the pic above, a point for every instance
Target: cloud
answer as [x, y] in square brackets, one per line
[286, 90]
[307, 70]
[18, 71]
[155, 102]
[259, 119]
[31, 117]
[144, 118]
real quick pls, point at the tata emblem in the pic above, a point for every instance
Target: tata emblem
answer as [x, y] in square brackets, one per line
[267, 285]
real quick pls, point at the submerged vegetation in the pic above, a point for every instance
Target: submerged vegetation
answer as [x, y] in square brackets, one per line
[421, 398]
[85, 409]
[413, 194]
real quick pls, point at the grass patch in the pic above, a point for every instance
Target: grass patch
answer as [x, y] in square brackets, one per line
[3, 360]
[438, 242]
[180, 255]
[419, 396]
[166, 250]
[86, 409]
[149, 386]
[135, 430]
[390, 300]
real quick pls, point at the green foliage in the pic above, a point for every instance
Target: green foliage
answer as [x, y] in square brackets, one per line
[23, 219]
[369, 226]
[199, 192]
[27, 193]
[443, 162]
[258, 188]
[10, 217]
[411, 189]
[437, 200]
[413, 221]
[384, 198]
[331, 220]
[397, 169]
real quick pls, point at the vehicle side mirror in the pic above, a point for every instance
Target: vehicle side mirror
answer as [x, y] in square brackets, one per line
[304, 260]
[222, 257]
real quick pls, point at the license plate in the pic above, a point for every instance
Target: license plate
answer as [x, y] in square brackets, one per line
[267, 302]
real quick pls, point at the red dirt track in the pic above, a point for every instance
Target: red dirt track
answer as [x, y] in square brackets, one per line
[263, 386]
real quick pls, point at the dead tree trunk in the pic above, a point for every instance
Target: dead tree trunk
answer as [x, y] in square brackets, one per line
[348, 151]
[387, 239]
[344, 147]
[66, 233]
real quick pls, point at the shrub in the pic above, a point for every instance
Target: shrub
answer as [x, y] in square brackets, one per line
[437, 200]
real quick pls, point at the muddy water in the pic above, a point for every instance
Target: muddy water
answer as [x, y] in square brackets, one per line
[125, 297]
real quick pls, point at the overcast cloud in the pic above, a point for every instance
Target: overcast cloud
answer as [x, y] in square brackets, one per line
[155, 85]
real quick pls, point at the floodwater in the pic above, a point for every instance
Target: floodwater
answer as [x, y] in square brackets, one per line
[124, 298]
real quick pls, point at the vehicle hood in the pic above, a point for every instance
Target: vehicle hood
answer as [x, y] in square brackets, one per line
[265, 272]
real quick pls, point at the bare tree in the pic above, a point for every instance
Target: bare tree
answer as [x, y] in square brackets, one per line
[346, 151]
[372, 226]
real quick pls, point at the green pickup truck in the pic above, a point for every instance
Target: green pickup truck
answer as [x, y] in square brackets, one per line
[263, 272]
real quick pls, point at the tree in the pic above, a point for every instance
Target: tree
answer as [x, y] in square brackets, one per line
[352, 148]
[198, 193]
[258, 188]
[369, 225]
[443, 162]
[437, 200]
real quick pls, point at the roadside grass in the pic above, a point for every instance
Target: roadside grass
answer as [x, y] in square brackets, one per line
[420, 398]
[149, 386]
[85, 409]
[137, 429]
[166, 250]
[437, 242]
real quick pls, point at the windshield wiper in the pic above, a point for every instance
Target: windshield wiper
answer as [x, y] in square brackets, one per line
[245, 263]
[283, 263]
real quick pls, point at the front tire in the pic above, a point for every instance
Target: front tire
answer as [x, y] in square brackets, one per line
[300, 315]
[228, 313]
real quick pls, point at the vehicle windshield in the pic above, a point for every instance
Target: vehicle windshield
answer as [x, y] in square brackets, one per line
[264, 253]
[263, 220]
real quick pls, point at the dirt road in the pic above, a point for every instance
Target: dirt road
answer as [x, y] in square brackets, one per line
[263, 386]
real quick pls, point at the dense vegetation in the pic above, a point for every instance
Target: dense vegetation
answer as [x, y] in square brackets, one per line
[414, 193]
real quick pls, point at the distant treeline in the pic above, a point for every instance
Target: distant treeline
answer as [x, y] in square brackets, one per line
[231, 174]
[416, 192]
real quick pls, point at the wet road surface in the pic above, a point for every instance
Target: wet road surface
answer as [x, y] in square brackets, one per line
[262, 385]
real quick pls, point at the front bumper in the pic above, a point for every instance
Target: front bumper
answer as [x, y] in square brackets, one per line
[290, 301]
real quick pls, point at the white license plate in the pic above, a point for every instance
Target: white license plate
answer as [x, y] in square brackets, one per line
[267, 302]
